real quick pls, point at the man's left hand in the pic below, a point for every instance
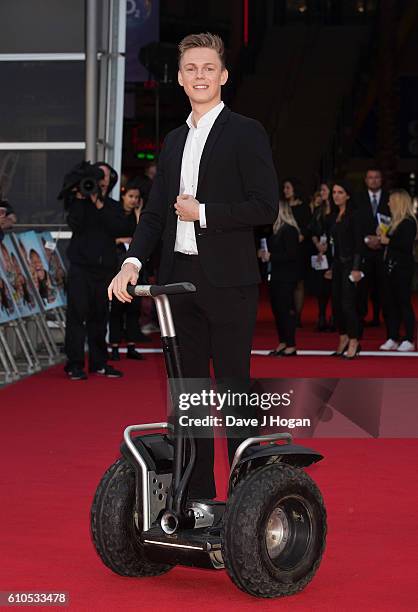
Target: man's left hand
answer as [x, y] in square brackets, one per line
[187, 208]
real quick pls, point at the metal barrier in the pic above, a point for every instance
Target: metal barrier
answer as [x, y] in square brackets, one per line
[32, 301]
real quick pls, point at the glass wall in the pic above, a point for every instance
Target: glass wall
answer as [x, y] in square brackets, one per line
[42, 105]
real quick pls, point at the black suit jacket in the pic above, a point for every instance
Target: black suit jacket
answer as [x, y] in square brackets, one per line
[238, 185]
[367, 221]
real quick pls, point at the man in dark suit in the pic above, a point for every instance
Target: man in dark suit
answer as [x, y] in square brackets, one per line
[215, 182]
[370, 202]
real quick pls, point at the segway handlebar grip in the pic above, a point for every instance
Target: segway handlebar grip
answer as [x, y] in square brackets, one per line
[155, 290]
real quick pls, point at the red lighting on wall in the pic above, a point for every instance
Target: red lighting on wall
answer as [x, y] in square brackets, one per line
[245, 24]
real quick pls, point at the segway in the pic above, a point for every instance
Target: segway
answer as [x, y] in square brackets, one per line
[269, 535]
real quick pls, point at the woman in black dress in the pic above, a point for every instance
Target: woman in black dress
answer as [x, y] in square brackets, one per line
[346, 244]
[320, 230]
[282, 254]
[292, 194]
[399, 270]
[124, 318]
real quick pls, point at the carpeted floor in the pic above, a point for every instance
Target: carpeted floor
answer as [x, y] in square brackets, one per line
[58, 437]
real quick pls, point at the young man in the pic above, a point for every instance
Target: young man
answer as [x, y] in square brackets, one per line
[215, 182]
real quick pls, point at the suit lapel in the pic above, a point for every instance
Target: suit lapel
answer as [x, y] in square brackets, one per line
[214, 134]
[174, 168]
[175, 161]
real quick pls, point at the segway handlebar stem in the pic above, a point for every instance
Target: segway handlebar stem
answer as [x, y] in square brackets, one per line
[160, 293]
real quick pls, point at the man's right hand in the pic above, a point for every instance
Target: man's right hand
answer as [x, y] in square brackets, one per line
[128, 274]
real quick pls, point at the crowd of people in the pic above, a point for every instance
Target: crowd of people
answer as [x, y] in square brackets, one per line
[347, 248]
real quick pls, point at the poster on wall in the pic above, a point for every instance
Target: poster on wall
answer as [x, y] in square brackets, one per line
[8, 308]
[20, 285]
[142, 27]
[56, 267]
[34, 259]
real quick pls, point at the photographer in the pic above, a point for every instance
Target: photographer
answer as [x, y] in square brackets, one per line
[95, 220]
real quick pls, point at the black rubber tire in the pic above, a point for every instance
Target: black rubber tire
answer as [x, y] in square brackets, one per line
[244, 547]
[113, 529]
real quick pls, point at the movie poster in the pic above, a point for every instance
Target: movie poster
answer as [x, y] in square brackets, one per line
[8, 308]
[20, 285]
[35, 260]
[55, 264]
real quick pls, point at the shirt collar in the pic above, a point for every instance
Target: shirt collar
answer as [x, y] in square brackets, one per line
[375, 193]
[208, 118]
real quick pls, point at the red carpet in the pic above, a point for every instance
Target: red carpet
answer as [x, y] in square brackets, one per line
[323, 366]
[59, 436]
[382, 366]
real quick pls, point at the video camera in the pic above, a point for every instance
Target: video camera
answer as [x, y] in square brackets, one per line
[83, 178]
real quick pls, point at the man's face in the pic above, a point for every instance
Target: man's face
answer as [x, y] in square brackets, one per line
[373, 180]
[105, 182]
[201, 75]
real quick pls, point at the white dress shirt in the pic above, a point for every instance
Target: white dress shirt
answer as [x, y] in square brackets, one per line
[189, 177]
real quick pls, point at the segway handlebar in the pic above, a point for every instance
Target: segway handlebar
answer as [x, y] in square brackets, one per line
[155, 290]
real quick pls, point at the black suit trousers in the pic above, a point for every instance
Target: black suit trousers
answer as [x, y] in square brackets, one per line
[398, 302]
[373, 285]
[346, 301]
[124, 321]
[214, 323]
[87, 315]
[283, 307]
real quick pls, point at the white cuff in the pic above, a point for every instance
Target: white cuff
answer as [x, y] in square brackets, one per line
[202, 215]
[134, 261]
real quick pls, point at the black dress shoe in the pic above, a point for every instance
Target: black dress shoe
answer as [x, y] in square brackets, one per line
[276, 353]
[339, 354]
[107, 371]
[76, 374]
[292, 354]
[114, 355]
[133, 354]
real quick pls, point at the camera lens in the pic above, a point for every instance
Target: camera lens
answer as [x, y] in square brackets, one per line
[89, 186]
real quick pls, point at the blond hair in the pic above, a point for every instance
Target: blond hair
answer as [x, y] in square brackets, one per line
[285, 216]
[401, 208]
[205, 40]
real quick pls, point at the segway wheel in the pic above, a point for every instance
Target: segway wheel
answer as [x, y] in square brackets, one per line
[274, 531]
[115, 527]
